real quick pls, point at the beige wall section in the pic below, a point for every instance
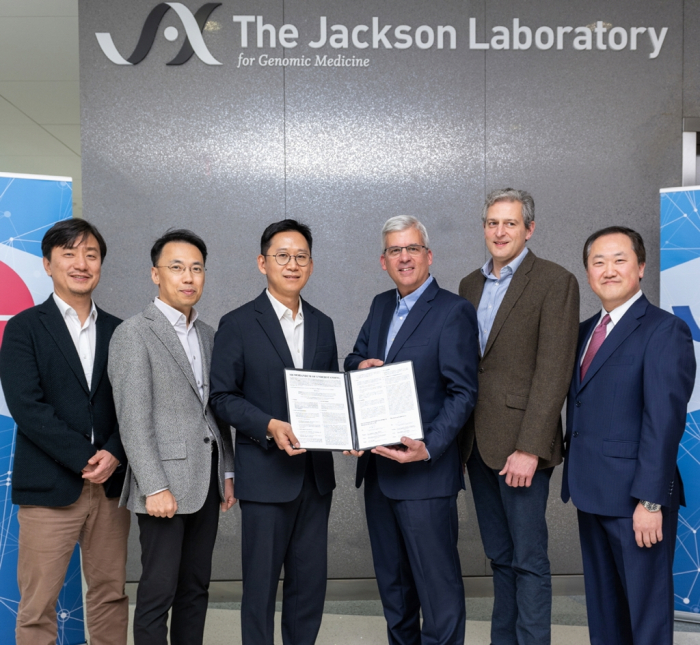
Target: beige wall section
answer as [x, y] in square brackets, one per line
[39, 90]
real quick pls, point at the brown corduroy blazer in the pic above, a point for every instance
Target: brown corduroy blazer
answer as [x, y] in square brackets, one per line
[526, 368]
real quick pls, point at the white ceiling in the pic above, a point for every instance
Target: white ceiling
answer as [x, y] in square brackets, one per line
[39, 90]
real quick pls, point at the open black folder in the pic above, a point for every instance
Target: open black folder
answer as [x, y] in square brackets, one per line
[354, 411]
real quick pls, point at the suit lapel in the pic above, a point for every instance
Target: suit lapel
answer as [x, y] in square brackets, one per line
[310, 336]
[628, 323]
[384, 324]
[516, 287]
[101, 350]
[205, 352]
[417, 313]
[53, 321]
[583, 340]
[271, 326]
[475, 289]
[165, 332]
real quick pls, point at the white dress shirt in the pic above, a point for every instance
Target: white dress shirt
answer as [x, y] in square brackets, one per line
[187, 335]
[615, 317]
[84, 336]
[189, 340]
[292, 328]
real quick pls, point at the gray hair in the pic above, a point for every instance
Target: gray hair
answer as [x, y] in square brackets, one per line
[401, 223]
[511, 195]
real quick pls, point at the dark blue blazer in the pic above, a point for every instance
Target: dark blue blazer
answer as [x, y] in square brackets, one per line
[248, 390]
[440, 335]
[627, 417]
[55, 408]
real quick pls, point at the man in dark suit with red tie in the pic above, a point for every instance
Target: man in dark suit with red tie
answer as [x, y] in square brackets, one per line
[626, 415]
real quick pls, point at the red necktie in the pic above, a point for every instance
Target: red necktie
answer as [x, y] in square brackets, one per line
[596, 341]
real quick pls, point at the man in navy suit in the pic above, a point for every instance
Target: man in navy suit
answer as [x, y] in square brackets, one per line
[411, 489]
[69, 460]
[626, 414]
[284, 492]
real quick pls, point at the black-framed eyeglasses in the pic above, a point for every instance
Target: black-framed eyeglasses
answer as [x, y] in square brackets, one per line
[412, 249]
[282, 258]
[179, 269]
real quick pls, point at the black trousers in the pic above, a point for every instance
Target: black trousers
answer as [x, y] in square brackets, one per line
[293, 534]
[176, 558]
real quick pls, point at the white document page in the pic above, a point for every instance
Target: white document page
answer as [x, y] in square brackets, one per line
[318, 409]
[386, 405]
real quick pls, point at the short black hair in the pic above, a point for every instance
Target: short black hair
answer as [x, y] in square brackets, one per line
[68, 233]
[282, 227]
[636, 238]
[177, 235]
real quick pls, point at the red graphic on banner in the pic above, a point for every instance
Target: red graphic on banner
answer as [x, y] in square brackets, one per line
[14, 296]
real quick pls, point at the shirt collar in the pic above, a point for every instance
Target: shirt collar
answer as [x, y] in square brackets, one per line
[174, 316]
[282, 310]
[412, 297]
[617, 313]
[66, 309]
[509, 269]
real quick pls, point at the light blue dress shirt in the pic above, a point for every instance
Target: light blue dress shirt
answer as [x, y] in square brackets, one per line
[493, 294]
[403, 308]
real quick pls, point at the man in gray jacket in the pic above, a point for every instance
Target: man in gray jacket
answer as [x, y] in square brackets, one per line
[180, 457]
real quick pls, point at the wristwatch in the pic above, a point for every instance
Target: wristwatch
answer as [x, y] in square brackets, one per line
[650, 506]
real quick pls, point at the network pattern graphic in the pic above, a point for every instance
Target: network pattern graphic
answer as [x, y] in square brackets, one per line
[28, 207]
[69, 610]
[680, 227]
[24, 217]
[686, 575]
[680, 271]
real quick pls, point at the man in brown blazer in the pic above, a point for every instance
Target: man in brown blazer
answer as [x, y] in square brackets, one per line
[528, 313]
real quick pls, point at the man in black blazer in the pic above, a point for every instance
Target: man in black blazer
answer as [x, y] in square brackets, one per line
[69, 461]
[285, 493]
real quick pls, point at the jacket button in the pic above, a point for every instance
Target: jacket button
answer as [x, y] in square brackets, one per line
[578, 404]
[206, 440]
[576, 434]
[481, 370]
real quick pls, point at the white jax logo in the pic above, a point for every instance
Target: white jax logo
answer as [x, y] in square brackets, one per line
[194, 43]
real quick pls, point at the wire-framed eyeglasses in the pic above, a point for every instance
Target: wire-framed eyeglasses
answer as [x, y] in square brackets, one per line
[411, 249]
[282, 258]
[179, 269]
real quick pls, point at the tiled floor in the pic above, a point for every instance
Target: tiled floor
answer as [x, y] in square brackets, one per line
[357, 623]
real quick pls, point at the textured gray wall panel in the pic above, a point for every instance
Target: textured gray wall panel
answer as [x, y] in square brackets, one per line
[226, 150]
[593, 135]
[691, 58]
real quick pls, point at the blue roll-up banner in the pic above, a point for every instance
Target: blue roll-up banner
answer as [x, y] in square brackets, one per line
[29, 206]
[680, 294]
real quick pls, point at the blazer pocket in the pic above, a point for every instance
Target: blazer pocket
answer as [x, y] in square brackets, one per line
[418, 341]
[619, 360]
[620, 449]
[24, 479]
[517, 401]
[173, 450]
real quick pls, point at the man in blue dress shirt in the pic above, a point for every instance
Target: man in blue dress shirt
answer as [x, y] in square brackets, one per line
[528, 322]
[411, 489]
